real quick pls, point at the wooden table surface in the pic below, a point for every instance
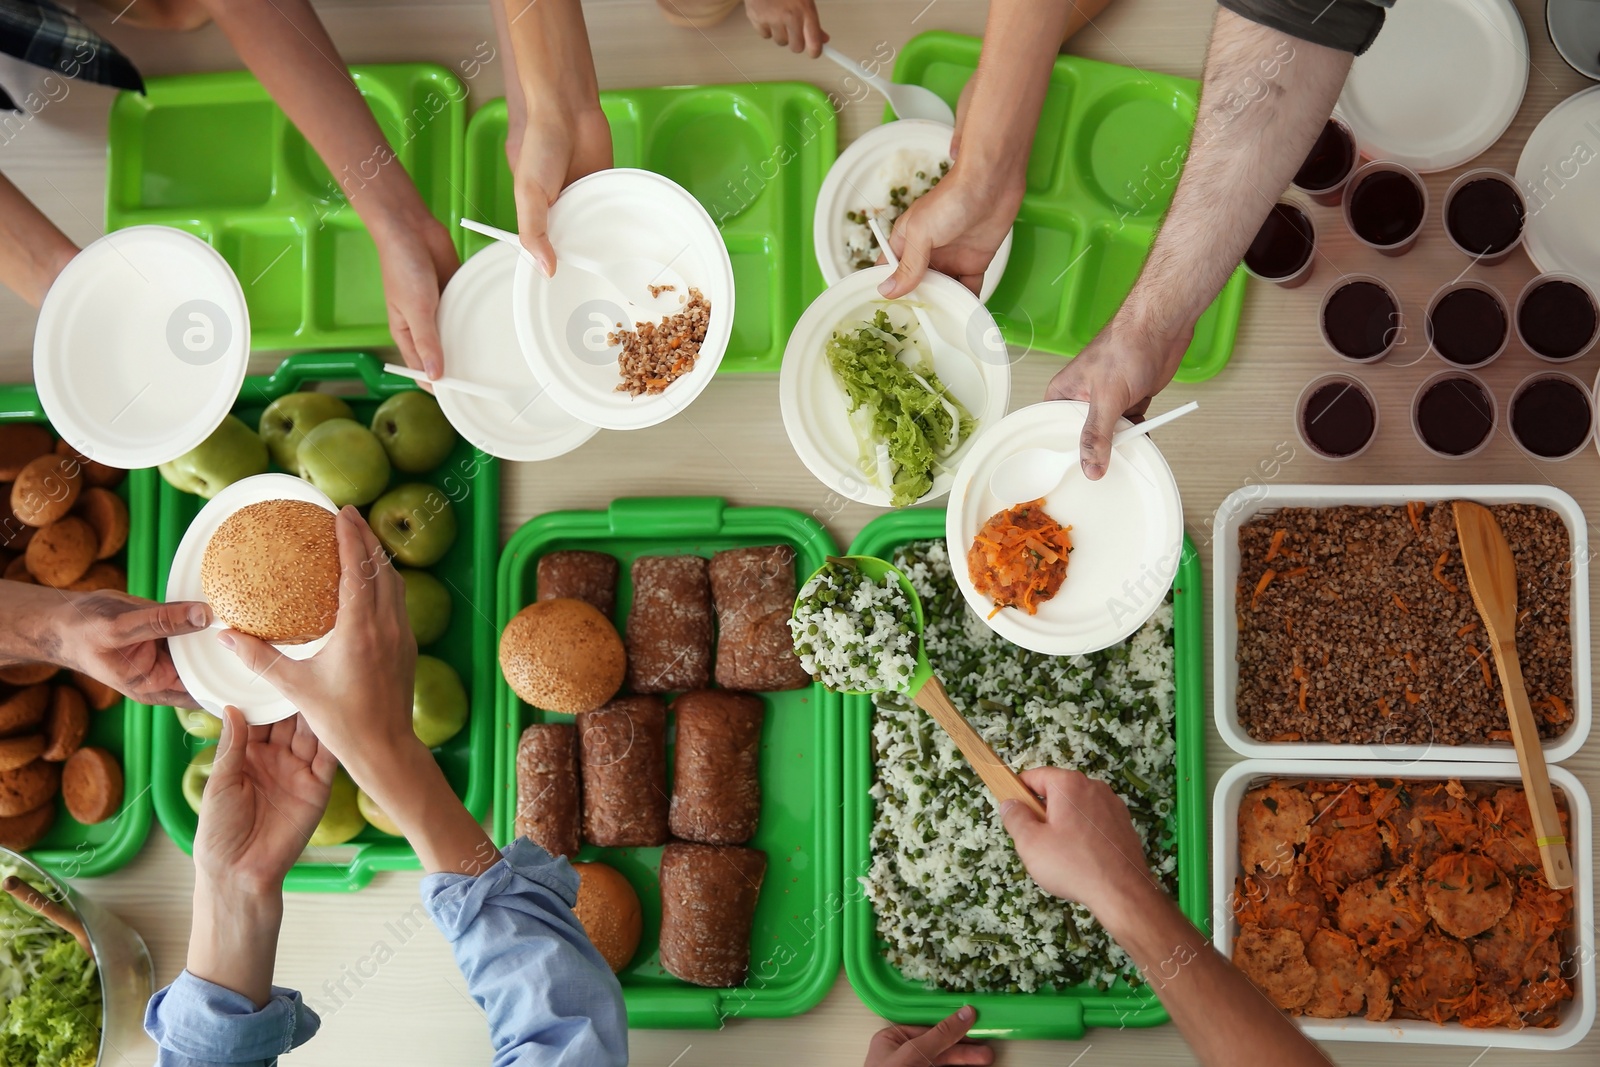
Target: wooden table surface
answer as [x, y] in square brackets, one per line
[412, 1007]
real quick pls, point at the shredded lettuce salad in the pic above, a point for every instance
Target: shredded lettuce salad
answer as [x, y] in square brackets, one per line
[905, 419]
[50, 1007]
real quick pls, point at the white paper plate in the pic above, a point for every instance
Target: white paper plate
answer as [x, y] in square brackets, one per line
[480, 345]
[1574, 1018]
[862, 176]
[1127, 533]
[1561, 181]
[561, 322]
[213, 675]
[1574, 27]
[1440, 84]
[816, 409]
[141, 346]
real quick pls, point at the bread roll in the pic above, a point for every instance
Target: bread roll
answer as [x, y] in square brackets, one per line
[587, 576]
[669, 625]
[547, 787]
[708, 906]
[716, 786]
[624, 751]
[754, 590]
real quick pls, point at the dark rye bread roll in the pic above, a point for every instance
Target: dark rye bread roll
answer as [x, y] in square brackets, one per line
[587, 576]
[623, 747]
[708, 905]
[716, 786]
[669, 625]
[548, 795]
[754, 590]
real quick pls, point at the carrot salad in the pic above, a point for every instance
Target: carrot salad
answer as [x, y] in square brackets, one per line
[1019, 558]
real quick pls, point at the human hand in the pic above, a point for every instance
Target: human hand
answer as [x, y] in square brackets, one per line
[1085, 849]
[956, 227]
[555, 149]
[356, 692]
[1118, 373]
[417, 259]
[925, 1046]
[791, 24]
[267, 791]
[121, 640]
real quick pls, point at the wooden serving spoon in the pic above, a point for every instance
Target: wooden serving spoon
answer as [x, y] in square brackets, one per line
[928, 693]
[1492, 577]
[46, 908]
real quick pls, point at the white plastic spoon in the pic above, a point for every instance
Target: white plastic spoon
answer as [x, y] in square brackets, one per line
[956, 367]
[628, 275]
[518, 400]
[1035, 472]
[908, 101]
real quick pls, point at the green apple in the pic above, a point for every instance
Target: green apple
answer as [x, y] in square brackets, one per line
[197, 722]
[438, 703]
[427, 605]
[341, 820]
[414, 431]
[289, 418]
[232, 452]
[196, 775]
[345, 460]
[415, 522]
[375, 815]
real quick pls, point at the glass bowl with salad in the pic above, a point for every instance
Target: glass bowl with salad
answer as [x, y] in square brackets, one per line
[878, 412]
[61, 1002]
[885, 170]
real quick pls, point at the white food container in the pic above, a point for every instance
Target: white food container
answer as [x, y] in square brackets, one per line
[1576, 1016]
[1245, 504]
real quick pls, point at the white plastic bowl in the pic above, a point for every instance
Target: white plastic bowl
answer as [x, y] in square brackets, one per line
[1244, 504]
[1577, 1016]
[816, 409]
[861, 178]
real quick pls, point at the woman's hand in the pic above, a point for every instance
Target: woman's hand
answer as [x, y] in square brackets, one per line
[417, 260]
[956, 227]
[268, 788]
[929, 1046]
[555, 148]
[356, 692]
[790, 24]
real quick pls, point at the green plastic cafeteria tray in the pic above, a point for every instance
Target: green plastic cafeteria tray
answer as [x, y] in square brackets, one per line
[213, 155]
[753, 155]
[72, 849]
[1052, 1013]
[1110, 145]
[471, 481]
[794, 947]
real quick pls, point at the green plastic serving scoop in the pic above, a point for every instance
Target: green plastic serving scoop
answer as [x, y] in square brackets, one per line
[928, 693]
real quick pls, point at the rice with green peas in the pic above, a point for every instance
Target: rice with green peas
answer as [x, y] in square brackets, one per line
[853, 634]
[953, 901]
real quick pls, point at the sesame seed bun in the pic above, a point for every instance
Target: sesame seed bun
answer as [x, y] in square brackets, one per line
[608, 908]
[562, 655]
[272, 570]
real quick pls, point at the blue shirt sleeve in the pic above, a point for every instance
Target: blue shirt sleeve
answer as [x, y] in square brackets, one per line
[197, 1022]
[550, 999]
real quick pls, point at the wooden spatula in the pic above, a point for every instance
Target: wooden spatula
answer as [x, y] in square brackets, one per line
[1492, 576]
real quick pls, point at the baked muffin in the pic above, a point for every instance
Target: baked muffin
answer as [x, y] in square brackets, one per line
[28, 786]
[91, 785]
[21, 832]
[46, 490]
[61, 553]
